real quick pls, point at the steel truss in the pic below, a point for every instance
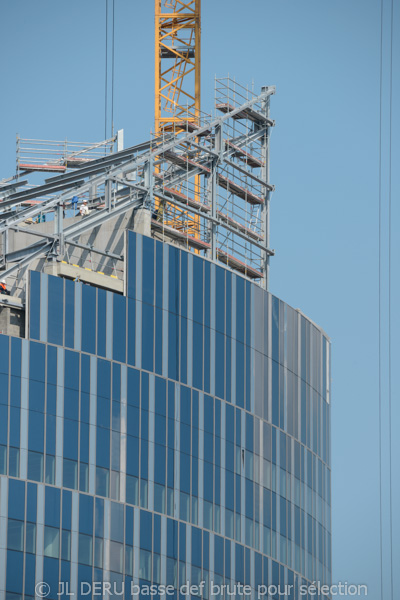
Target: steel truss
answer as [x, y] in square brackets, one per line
[177, 68]
[216, 173]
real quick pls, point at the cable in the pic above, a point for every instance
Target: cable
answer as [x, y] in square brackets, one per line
[390, 303]
[106, 81]
[112, 69]
[379, 305]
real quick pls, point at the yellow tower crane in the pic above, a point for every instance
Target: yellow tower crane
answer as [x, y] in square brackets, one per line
[177, 68]
[177, 86]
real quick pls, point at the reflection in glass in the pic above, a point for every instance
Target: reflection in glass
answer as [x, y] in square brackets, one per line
[30, 538]
[116, 556]
[66, 545]
[170, 502]
[145, 565]
[128, 560]
[3, 460]
[143, 493]
[98, 553]
[85, 549]
[50, 469]
[83, 477]
[208, 515]
[132, 489]
[51, 542]
[35, 466]
[102, 482]
[159, 498]
[70, 474]
[15, 536]
[13, 462]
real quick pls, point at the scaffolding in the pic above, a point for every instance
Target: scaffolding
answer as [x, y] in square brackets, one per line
[206, 187]
[57, 156]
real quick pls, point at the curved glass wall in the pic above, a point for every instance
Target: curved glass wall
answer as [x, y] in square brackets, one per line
[178, 434]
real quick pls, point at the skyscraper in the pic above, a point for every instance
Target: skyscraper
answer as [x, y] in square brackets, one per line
[174, 430]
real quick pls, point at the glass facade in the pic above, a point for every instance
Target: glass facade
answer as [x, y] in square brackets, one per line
[179, 433]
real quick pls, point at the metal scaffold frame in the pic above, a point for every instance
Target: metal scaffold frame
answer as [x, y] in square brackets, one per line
[216, 175]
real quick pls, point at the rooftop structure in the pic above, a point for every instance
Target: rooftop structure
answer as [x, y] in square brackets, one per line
[200, 185]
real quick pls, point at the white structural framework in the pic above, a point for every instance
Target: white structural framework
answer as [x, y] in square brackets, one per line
[224, 217]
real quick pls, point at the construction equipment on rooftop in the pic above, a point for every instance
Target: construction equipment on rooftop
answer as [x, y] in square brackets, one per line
[203, 178]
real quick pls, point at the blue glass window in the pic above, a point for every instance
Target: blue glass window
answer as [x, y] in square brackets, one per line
[147, 337]
[101, 321]
[88, 319]
[69, 312]
[55, 310]
[131, 266]
[131, 330]
[34, 305]
[119, 328]
[148, 270]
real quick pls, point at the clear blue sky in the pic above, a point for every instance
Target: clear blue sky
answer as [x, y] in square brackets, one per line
[324, 59]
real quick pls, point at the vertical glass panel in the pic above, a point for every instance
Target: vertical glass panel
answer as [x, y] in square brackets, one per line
[132, 486]
[159, 274]
[159, 498]
[13, 464]
[69, 312]
[98, 553]
[173, 286]
[143, 493]
[184, 506]
[51, 542]
[229, 523]
[65, 545]
[148, 270]
[116, 556]
[156, 568]
[35, 466]
[131, 331]
[145, 565]
[34, 305]
[208, 515]
[89, 319]
[194, 511]
[220, 365]
[102, 482]
[237, 527]
[114, 485]
[55, 310]
[131, 243]
[172, 572]
[85, 550]
[220, 299]
[83, 477]
[50, 469]
[101, 322]
[198, 289]
[173, 344]
[15, 535]
[70, 474]
[3, 460]
[170, 502]
[128, 560]
[183, 349]
[119, 328]
[197, 355]
[30, 538]
[147, 337]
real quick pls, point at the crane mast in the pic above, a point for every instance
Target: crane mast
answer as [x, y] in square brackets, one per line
[177, 86]
[177, 63]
